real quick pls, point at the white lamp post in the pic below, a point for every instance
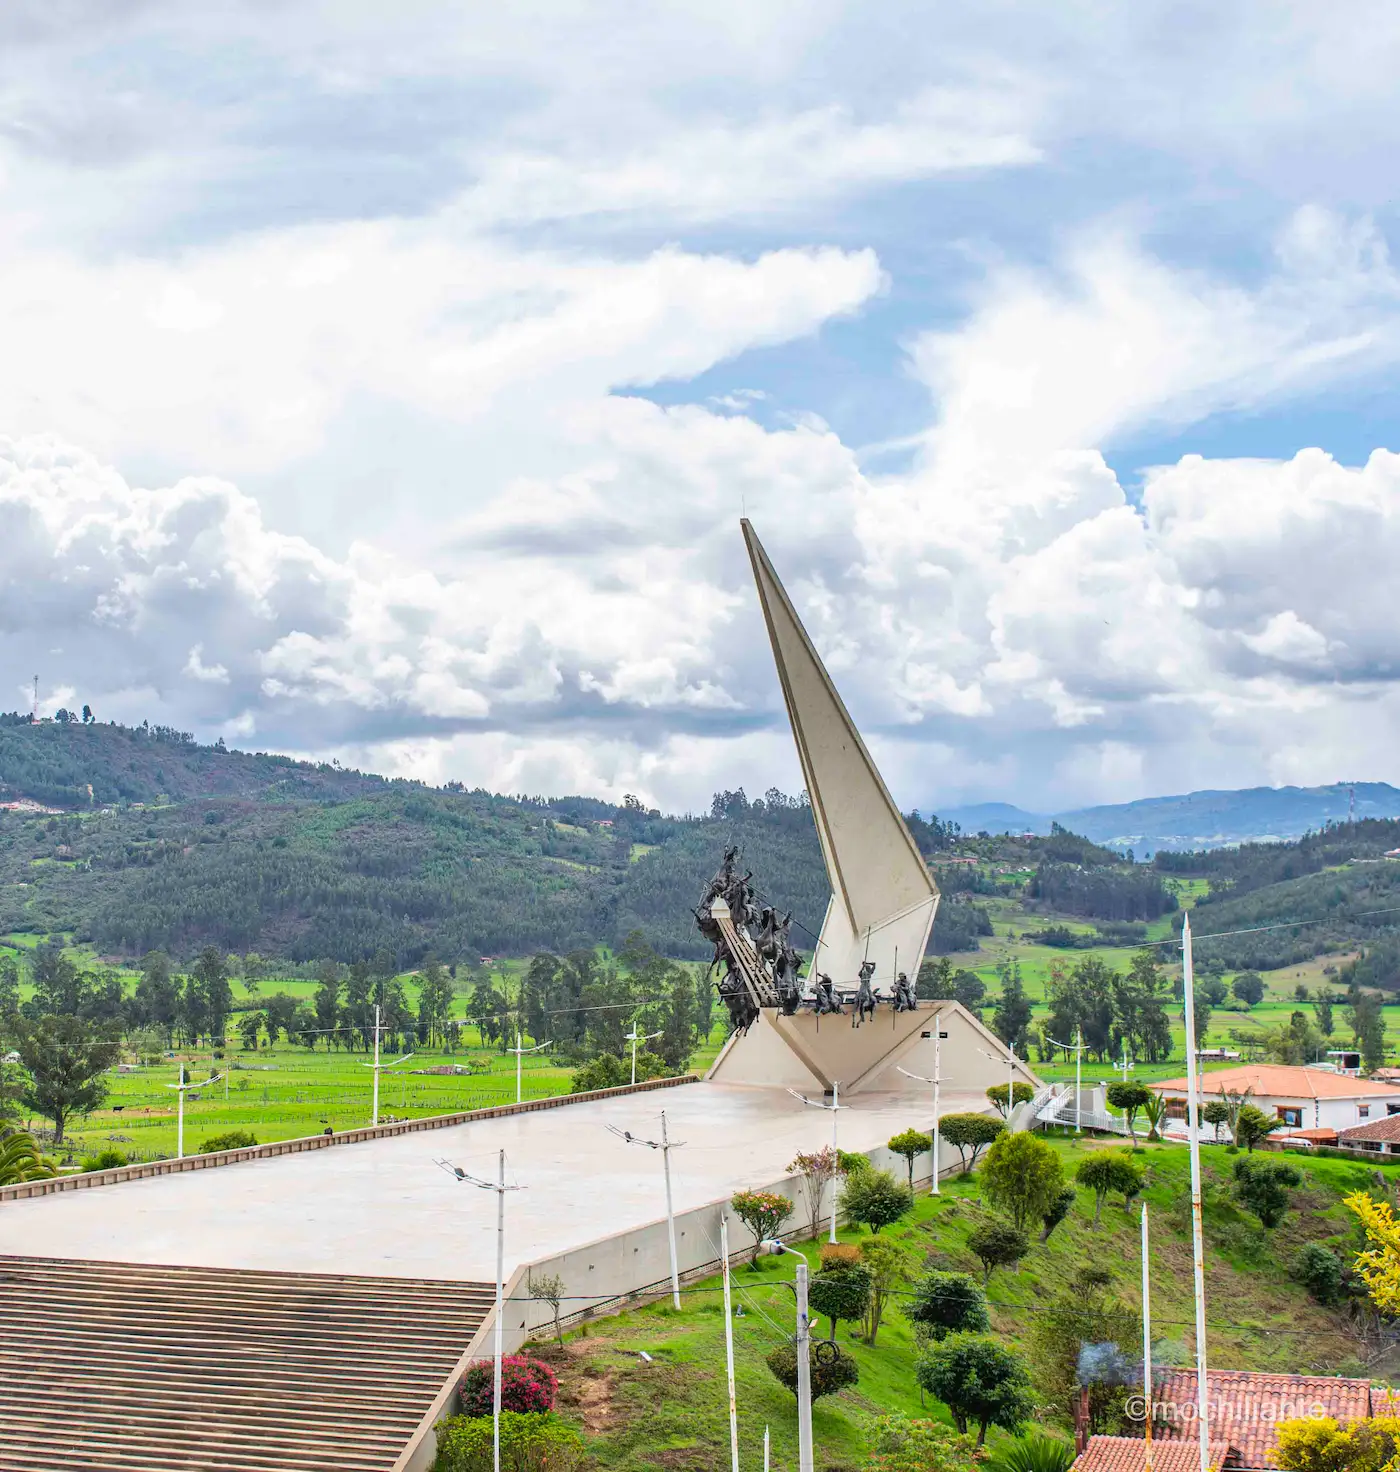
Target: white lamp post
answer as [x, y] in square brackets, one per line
[634, 1037]
[665, 1145]
[1011, 1061]
[729, 1346]
[520, 1053]
[835, 1107]
[181, 1088]
[936, 1080]
[804, 1361]
[378, 1067]
[500, 1188]
[1193, 1129]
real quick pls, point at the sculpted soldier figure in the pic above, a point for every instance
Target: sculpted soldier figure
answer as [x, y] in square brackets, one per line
[904, 998]
[865, 995]
[826, 995]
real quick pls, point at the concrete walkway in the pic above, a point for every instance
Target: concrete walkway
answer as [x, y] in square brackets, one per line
[383, 1208]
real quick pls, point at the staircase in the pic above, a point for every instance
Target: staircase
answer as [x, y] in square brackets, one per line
[122, 1367]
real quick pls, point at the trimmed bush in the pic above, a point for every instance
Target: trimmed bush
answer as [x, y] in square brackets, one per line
[832, 1370]
[529, 1443]
[763, 1213]
[528, 1386]
[229, 1140]
[107, 1159]
[876, 1198]
[841, 1293]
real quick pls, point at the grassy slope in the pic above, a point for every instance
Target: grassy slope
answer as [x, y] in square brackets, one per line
[672, 1413]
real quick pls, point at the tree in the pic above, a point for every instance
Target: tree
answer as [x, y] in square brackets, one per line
[875, 1199]
[1020, 1094]
[817, 1169]
[763, 1213]
[605, 1072]
[1013, 1010]
[1022, 1176]
[911, 1144]
[969, 1132]
[210, 975]
[1154, 1110]
[1202, 1016]
[1379, 1264]
[830, 1371]
[549, 1288]
[997, 1244]
[1249, 988]
[1322, 1008]
[1130, 1098]
[888, 1265]
[1109, 1170]
[1253, 1126]
[1083, 1311]
[981, 1383]
[841, 1292]
[250, 1024]
[948, 1303]
[435, 993]
[9, 986]
[157, 995]
[1323, 1445]
[327, 999]
[1211, 990]
[66, 1060]
[1058, 1210]
[1215, 1112]
[21, 1161]
[1263, 1186]
[900, 1443]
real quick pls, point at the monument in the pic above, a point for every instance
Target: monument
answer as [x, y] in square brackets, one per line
[854, 1016]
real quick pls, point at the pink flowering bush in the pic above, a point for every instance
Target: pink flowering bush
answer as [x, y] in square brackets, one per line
[527, 1385]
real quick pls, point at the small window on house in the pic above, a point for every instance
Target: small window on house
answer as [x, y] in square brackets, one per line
[1293, 1117]
[1392, 1108]
[1364, 1110]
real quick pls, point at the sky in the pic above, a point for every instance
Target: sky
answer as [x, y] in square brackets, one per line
[387, 383]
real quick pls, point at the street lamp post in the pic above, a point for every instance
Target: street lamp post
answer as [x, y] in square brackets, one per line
[1011, 1061]
[835, 1107]
[936, 1081]
[804, 1351]
[500, 1188]
[634, 1037]
[181, 1088]
[665, 1145]
[520, 1053]
[378, 1067]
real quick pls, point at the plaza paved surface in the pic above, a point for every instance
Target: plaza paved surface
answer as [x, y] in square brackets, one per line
[383, 1207]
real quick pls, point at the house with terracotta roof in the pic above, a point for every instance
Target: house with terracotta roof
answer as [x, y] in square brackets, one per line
[1302, 1097]
[1129, 1454]
[1378, 1136]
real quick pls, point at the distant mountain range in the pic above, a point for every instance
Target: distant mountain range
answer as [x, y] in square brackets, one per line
[1194, 820]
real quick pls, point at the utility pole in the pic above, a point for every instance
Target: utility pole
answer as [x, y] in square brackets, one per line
[500, 1188]
[729, 1346]
[1197, 1233]
[803, 1342]
[665, 1145]
[1077, 1048]
[36, 700]
[634, 1037]
[936, 1080]
[1146, 1339]
[835, 1107]
[377, 1066]
[181, 1088]
[520, 1053]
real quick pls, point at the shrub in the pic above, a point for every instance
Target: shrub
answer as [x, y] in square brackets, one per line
[888, 1264]
[762, 1212]
[1110, 1170]
[603, 1072]
[1130, 1098]
[1020, 1094]
[981, 1382]
[1324, 1446]
[832, 1370]
[230, 1140]
[108, 1159]
[852, 1162]
[875, 1199]
[1057, 1211]
[840, 1255]
[1033, 1453]
[529, 1443]
[901, 1443]
[1022, 1176]
[948, 1303]
[1320, 1271]
[20, 1159]
[528, 1386]
[1263, 1186]
[969, 1132]
[840, 1293]
[998, 1244]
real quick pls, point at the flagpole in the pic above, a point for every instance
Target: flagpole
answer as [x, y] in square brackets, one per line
[1193, 1127]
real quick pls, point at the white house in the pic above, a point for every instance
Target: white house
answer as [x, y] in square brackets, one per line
[1303, 1098]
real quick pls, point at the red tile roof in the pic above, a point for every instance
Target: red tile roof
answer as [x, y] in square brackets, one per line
[1129, 1454]
[1378, 1129]
[1245, 1407]
[1284, 1081]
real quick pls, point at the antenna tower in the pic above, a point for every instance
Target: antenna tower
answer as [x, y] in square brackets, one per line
[1351, 809]
[36, 699]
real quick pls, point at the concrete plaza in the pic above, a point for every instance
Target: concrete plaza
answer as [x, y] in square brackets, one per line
[384, 1208]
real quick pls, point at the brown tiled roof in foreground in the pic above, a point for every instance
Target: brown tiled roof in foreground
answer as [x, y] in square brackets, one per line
[1245, 1407]
[1129, 1454]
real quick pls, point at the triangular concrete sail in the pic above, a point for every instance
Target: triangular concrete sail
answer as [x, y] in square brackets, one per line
[883, 896]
